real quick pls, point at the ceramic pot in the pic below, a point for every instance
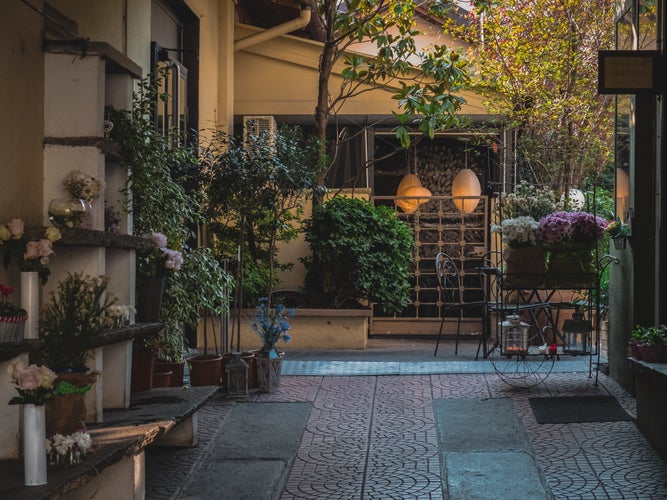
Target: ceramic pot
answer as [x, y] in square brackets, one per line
[205, 370]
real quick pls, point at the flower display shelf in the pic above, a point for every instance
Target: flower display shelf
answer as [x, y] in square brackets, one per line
[80, 237]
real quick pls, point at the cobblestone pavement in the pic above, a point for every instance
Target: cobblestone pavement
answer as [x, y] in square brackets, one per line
[374, 437]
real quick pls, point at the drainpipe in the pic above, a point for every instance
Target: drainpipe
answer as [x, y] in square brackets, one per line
[281, 29]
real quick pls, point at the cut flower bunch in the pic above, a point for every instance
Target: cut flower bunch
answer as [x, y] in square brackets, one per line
[271, 324]
[34, 255]
[83, 186]
[33, 383]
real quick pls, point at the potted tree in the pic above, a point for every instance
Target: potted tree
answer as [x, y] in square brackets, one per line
[77, 313]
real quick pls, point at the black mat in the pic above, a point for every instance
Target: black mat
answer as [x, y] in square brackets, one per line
[576, 409]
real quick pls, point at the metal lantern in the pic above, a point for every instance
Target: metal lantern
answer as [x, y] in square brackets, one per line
[237, 376]
[514, 335]
[576, 334]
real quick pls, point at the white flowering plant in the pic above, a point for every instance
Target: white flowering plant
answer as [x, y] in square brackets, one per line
[83, 186]
[68, 450]
[35, 254]
[517, 232]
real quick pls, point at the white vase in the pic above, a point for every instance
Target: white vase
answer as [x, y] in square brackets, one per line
[34, 445]
[30, 302]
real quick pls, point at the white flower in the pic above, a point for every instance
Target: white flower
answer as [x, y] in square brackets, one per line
[520, 231]
[159, 239]
[82, 440]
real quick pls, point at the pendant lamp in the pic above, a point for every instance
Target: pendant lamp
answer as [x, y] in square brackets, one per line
[411, 186]
[466, 183]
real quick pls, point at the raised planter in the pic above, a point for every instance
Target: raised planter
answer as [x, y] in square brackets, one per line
[311, 329]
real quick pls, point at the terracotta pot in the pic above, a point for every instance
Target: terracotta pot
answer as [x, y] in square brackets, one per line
[162, 379]
[149, 304]
[205, 370]
[142, 369]
[176, 367]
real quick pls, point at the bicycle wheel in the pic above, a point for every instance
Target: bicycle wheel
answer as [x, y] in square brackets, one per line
[522, 370]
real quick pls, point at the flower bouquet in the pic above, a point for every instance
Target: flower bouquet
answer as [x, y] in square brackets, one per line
[12, 318]
[33, 383]
[271, 325]
[68, 449]
[34, 256]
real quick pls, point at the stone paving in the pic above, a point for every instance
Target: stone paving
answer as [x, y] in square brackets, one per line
[374, 437]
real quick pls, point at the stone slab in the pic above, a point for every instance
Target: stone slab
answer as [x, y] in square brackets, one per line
[256, 440]
[485, 452]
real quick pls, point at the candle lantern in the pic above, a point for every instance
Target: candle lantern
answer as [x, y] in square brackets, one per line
[237, 376]
[576, 334]
[514, 335]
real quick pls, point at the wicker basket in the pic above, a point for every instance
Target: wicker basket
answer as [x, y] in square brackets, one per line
[11, 329]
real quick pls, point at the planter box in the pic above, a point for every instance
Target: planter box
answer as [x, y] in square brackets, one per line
[310, 329]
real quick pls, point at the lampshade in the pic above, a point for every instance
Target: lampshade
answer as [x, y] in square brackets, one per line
[410, 185]
[577, 199]
[466, 183]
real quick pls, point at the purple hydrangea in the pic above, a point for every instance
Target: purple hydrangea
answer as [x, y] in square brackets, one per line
[580, 227]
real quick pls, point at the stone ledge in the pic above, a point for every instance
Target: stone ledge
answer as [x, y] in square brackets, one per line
[124, 434]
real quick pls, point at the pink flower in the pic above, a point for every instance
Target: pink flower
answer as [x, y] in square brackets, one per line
[16, 227]
[31, 250]
[27, 379]
[45, 247]
[159, 239]
[174, 259]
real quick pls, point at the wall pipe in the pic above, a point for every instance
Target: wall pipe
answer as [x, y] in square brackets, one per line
[281, 29]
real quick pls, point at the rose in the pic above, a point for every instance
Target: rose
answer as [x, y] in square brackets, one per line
[31, 250]
[45, 248]
[5, 234]
[52, 234]
[16, 227]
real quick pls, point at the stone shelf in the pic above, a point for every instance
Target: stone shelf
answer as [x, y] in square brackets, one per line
[78, 237]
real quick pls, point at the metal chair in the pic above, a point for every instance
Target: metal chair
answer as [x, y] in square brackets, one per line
[451, 294]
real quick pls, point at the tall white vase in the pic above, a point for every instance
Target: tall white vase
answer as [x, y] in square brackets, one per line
[34, 445]
[30, 302]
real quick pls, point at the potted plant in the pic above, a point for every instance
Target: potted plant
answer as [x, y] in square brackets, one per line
[77, 313]
[649, 343]
[272, 325]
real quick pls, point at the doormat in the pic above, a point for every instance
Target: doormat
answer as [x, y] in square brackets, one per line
[577, 409]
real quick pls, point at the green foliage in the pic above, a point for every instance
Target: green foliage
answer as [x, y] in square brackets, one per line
[199, 287]
[428, 79]
[360, 252]
[649, 335]
[76, 314]
[537, 64]
[255, 191]
[159, 170]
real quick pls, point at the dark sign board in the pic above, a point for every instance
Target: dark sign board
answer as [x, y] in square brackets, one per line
[630, 72]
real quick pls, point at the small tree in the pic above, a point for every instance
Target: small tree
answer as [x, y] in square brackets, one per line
[362, 253]
[255, 190]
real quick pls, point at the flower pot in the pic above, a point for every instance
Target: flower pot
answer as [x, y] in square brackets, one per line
[205, 370]
[571, 259]
[162, 378]
[176, 368]
[143, 361]
[11, 329]
[525, 266]
[268, 373]
[67, 413]
[30, 302]
[149, 300]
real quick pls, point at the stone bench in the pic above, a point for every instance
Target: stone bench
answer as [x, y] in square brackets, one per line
[650, 390]
[115, 467]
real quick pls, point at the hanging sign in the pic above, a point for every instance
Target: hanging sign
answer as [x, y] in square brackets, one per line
[630, 72]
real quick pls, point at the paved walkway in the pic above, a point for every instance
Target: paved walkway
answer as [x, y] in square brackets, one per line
[376, 436]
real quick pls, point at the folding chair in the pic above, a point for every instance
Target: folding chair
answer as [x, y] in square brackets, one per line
[451, 295]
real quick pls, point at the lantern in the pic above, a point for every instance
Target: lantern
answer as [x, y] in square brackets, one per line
[410, 185]
[576, 334]
[514, 335]
[466, 183]
[237, 376]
